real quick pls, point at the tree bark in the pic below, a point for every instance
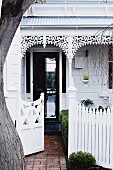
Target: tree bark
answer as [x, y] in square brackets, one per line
[11, 150]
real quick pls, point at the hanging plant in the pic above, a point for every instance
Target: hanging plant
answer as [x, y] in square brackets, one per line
[87, 102]
[85, 78]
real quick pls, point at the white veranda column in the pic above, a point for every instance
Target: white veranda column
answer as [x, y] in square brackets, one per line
[70, 57]
[72, 103]
[70, 69]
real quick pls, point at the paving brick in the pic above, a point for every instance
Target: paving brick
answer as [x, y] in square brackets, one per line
[52, 158]
[53, 168]
[36, 168]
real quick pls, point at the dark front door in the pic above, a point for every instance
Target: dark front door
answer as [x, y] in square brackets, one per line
[46, 79]
[38, 75]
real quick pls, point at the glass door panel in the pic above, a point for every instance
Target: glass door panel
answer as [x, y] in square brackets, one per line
[50, 96]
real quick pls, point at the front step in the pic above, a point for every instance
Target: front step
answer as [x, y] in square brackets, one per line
[52, 127]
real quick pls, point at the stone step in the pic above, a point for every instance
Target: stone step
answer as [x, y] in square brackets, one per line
[52, 127]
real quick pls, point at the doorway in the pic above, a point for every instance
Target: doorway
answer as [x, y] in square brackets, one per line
[46, 79]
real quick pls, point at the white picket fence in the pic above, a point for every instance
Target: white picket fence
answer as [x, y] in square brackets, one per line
[93, 133]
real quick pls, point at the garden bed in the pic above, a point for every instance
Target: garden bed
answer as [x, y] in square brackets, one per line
[96, 167]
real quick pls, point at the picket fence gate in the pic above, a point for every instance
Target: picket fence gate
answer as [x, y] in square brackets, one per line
[30, 125]
[93, 133]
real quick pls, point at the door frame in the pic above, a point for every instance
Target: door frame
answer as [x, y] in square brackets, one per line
[57, 88]
[44, 55]
[49, 49]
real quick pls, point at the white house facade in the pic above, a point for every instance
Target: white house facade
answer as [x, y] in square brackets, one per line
[56, 44]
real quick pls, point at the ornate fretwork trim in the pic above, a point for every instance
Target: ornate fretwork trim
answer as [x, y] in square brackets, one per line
[80, 41]
[62, 42]
[59, 41]
[29, 41]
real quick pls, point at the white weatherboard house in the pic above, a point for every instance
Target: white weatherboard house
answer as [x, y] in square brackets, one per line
[56, 44]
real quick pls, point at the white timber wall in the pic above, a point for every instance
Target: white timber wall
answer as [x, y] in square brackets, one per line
[22, 78]
[0, 7]
[96, 66]
[11, 75]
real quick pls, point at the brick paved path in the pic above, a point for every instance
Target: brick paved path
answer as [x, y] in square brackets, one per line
[52, 158]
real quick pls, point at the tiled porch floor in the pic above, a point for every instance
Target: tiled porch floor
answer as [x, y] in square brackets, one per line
[52, 158]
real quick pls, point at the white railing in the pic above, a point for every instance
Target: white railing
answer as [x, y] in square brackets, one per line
[93, 133]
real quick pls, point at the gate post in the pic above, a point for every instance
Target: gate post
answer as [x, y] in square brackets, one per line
[73, 109]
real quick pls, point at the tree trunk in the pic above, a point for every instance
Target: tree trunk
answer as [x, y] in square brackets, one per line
[11, 150]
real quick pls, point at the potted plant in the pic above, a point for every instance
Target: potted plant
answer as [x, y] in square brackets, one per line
[85, 78]
[87, 102]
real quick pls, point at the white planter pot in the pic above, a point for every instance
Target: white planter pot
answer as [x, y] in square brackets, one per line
[85, 81]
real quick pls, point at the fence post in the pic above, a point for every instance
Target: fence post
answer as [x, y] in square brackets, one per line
[73, 109]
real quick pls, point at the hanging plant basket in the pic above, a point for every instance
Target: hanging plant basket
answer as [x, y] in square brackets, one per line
[85, 81]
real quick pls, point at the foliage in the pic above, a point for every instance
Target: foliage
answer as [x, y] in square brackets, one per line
[64, 127]
[101, 108]
[81, 161]
[87, 102]
[85, 77]
[41, 1]
[50, 80]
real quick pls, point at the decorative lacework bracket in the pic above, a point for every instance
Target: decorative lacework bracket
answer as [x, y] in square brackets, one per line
[30, 41]
[59, 41]
[80, 41]
[63, 42]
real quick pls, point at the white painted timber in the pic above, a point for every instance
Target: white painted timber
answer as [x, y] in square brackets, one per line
[30, 125]
[11, 75]
[96, 66]
[0, 7]
[93, 132]
[80, 9]
[71, 102]
[22, 73]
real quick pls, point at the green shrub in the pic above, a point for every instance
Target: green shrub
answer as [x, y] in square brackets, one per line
[85, 77]
[81, 161]
[64, 128]
[87, 103]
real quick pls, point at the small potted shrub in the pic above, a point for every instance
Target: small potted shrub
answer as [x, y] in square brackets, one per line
[87, 102]
[85, 78]
[80, 161]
